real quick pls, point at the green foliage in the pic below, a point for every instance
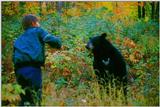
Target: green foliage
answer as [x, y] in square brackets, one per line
[60, 82]
[7, 9]
[89, 24]
[150, 45]
[11, 93]
[68, 75]
[149, 28]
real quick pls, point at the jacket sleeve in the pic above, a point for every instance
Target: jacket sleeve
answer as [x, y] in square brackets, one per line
[53, 41]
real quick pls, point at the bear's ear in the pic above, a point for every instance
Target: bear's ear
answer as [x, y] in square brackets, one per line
[103, 35]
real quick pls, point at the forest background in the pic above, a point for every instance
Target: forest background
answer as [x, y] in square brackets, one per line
[68, 75]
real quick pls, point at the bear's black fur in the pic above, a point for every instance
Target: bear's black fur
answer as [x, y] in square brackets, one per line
[108, 62]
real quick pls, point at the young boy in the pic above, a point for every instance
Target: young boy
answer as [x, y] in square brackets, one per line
[29, 56]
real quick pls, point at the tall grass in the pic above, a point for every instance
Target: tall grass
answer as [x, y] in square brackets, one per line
[93, 95]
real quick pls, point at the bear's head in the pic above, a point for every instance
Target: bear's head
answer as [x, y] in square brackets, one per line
[96, 42]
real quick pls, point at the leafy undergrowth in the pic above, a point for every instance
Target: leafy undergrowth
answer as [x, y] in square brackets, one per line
[71, 79]
[68, 75]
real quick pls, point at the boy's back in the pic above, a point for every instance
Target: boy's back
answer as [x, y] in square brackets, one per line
[29, 47]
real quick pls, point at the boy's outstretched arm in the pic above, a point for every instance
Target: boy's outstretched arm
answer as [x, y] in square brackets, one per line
[53, 41]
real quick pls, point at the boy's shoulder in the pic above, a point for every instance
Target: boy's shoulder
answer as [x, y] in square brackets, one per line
[33, 29]
[36, 30]
[31, 32]
[27, 34]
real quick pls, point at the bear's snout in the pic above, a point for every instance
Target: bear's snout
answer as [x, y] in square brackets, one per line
[89, 46]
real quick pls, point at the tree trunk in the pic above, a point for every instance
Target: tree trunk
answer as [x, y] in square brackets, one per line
[139, 10]
[40, 9]
[153, 10]
[44, 11]
[53, 6]
[157, 11]
[143, 10]
[59, 7]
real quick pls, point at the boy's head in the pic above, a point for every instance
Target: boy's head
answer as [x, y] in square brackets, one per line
[30, 20]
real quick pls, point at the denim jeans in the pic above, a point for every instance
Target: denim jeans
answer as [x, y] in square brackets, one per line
[30, 78]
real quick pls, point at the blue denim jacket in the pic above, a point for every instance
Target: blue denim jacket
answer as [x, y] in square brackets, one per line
[29, 47]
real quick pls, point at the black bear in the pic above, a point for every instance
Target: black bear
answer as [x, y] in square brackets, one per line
[108, 62]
